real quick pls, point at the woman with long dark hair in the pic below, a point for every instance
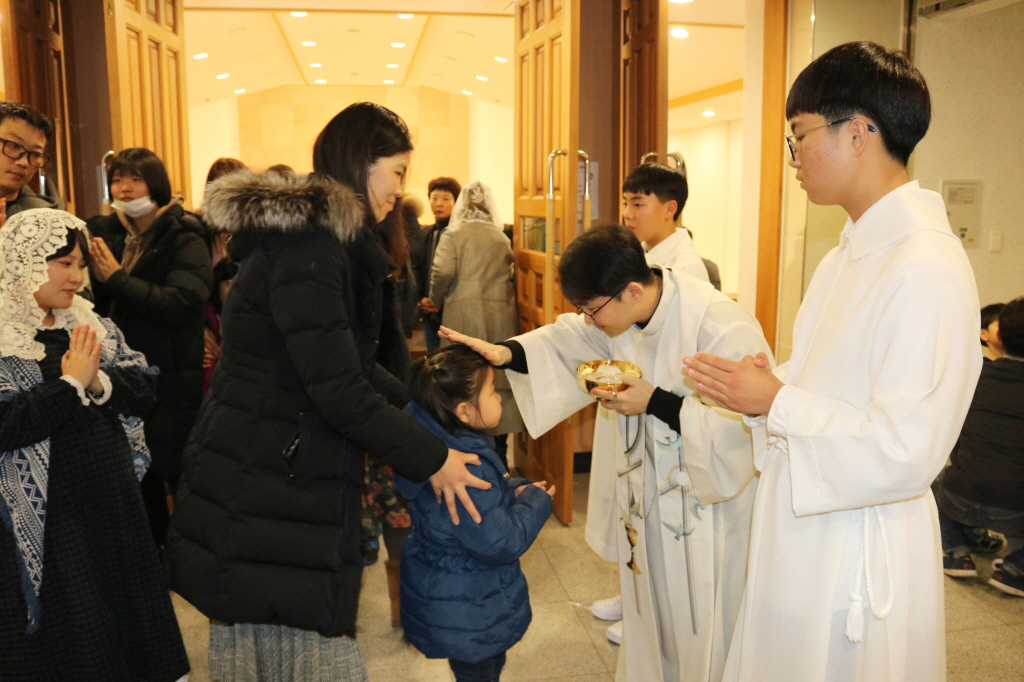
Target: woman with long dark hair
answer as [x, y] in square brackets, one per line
[151, 275]
[266, 531]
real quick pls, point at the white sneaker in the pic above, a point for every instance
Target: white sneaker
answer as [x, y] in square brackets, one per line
[608, 609]
[614, 632]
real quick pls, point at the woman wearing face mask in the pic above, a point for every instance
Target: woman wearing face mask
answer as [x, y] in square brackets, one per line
[152, 275]
[82, 594]
[266, 533]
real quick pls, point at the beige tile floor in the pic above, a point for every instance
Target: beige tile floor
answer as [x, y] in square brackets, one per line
[565, 643]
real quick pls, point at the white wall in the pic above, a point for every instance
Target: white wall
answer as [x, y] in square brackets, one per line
[714, 157]
[975, 71]
[213, 133]
[492, 152]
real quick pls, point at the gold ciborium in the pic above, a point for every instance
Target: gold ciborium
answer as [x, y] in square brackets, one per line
[605, 375]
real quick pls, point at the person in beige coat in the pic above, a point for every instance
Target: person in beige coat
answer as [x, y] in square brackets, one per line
[471, 281]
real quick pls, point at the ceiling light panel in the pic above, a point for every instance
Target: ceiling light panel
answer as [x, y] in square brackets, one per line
[379, 43]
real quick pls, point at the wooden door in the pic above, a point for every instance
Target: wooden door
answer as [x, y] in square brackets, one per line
[547, 109]
[643, 78]
[147, 83]
[35, 75]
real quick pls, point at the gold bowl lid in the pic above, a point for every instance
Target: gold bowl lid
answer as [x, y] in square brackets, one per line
[605, 374]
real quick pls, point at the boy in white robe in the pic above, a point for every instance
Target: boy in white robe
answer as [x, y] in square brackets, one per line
[844, 579]
[682, 469]
[653, 197]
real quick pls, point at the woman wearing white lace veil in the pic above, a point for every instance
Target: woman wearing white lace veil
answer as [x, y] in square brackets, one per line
[81, 589]
[471, 281]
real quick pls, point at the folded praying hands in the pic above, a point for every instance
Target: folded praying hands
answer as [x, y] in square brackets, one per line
[747, 386]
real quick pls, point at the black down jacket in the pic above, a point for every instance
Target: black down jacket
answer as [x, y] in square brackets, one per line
[161, 308]
[267, 522]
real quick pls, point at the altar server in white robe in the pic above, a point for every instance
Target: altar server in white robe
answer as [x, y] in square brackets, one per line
[845, 574]
[684, 469]
[653, 197]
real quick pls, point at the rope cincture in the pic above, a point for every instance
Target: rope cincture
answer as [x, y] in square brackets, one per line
[855, 616]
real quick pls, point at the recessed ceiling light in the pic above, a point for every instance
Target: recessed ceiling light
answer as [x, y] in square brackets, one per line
[299, 14]
[392, 66]
[239, 91]
[466, 92]
[708, 112]
[388, 82]
[500, 59]
[321, 81]
[201, 55]
[308, 43]
[679, 33]
[316, 66]
[405, 16]
[680, 2]
[481, 78]
[223, 76]
[397, 44]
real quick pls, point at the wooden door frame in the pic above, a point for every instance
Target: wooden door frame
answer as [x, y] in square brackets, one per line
[773, 127]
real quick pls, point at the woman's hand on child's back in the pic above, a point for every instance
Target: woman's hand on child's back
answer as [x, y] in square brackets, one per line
[451, 481]
[82, 360]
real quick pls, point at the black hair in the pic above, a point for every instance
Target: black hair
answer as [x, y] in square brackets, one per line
[663, 182]
[223, 166]
[355, 139]
[864, 78]
[990, 314]
[450, 185]
[9, 109]
[1011, 327]
[283, 170]
[148, 166]
[601, 262]
[447, 377]
[77, 238]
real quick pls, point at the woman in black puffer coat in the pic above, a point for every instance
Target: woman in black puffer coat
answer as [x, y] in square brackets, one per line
[267, 524]
[151, 275]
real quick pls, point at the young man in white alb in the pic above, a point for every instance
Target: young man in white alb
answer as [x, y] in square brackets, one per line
[844, 577]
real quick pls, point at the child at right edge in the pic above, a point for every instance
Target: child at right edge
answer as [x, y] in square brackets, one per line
[463, 594]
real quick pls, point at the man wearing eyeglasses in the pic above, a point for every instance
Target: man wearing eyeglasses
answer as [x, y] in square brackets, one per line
[677, 470]
[24, 133]
[844, 577]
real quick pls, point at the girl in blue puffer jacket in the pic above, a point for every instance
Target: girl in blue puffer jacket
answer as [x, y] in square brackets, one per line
[464, 596]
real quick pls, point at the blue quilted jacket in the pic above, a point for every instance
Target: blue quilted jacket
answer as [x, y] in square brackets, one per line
[463, 593]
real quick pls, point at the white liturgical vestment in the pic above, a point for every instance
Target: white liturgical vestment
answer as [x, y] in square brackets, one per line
[678, 252]
[683, 499]
[844, 579]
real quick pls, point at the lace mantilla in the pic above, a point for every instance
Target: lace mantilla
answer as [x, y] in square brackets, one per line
[476, 203]
[26, 240]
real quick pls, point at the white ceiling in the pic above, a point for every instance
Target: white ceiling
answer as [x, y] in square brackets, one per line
[448, 44]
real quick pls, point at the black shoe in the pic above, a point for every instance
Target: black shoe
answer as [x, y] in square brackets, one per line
[959, 566]
[1008, 578]
[983, 540]
[370, 549]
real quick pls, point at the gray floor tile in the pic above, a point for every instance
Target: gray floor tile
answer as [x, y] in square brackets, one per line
[596, 628]
[963, 610]
[545, 588]
[556, 645]
[994, 654]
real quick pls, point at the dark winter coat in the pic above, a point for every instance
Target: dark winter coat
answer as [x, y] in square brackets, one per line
[987, 463]
[267, 518]
[463, 593]
[161, 308]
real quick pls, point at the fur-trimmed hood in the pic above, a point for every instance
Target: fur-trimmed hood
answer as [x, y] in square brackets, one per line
[266, 202]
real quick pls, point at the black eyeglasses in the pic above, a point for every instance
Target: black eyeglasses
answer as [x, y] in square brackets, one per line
[13, 150]
[792, 140]
[592, 315]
